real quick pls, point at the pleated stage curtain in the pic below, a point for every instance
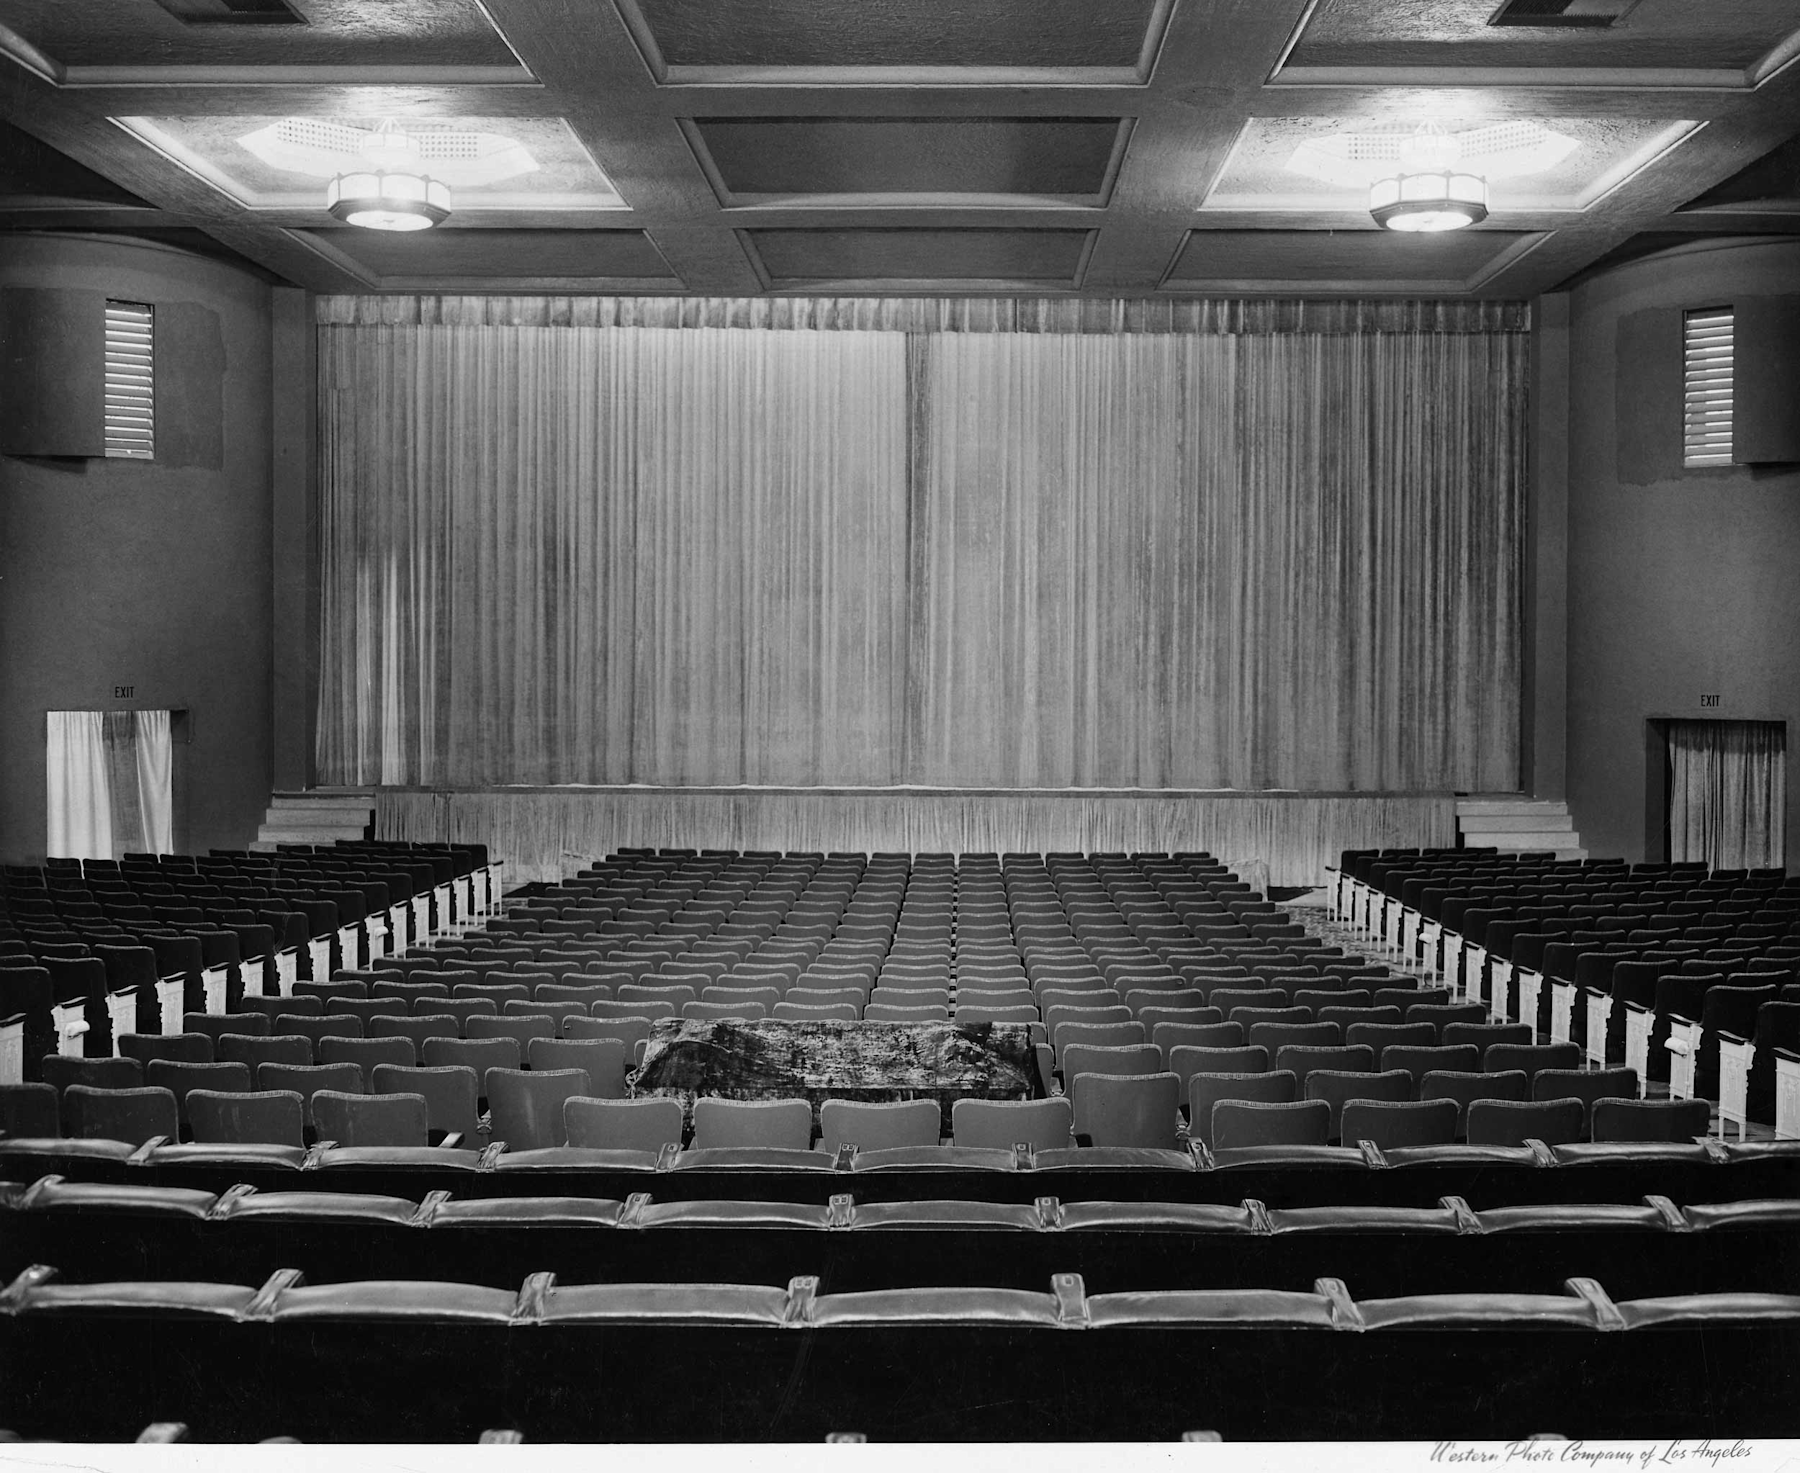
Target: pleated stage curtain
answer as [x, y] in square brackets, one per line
[1728, 793]
[712, 555]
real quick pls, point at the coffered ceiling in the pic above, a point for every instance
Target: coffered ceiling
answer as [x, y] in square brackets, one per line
[1131, 147]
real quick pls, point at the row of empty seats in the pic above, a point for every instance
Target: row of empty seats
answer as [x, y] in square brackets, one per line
[387, 1358]
[1688, 976]
[92, 949]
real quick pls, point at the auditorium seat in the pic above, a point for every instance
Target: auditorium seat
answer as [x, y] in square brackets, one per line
[732, 1012]
[1382, 1036]
[416, 1030]
[1650, 1120]
[1462, 1058]
[178, 1079]
[1465, 1089]
[1238, 1123]
[557, 1012]
[273, 1117]
[642, 1009]
[674, 997]
[243, 1048]
[646, 1124]
[451, 1092]
[111, 1073]
[359, 1120]
[1277, 1036]
[131, 1115]
[367, 1053]
[1169, 1036]
[306, 1080]
[762, 997]
[331, 1025]
[844, 1012]
[30, 1109]
[1347, 1017]
[273, 1007]
[632, 1032]
[1336, 1087]
[826, 997]
[1586, 1085]
[602, 1058]
[1398, 1124]
[188, 1048]
[1513, 1122]
[728, 1123]
[1442, 1015]
[520, 1027]
[1118, 1034]
[1529, 1059]
[873, 1126]
[1130, 1058]
[478, 1054]
[1302, 1059]
[1485, 1035]
[880, 1013]
[1140, 1110]
[216, 1025]
[1043, 1125]
[526, 1107]
[1206, 1091]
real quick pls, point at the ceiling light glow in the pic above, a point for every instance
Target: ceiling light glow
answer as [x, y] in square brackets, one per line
[1425, 203]
[388, 201]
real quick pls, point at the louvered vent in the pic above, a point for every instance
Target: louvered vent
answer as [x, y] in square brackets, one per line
[1706, 381]
[130, 380]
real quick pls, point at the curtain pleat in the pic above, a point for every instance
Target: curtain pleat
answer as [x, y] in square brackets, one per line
[77, 785]
[1728, 793]
[1017, 559]
[153, 782]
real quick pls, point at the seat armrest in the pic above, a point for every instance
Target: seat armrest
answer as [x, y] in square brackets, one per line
[1727, 1037]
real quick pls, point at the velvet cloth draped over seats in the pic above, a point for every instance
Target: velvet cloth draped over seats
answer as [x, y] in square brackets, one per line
[723, 555]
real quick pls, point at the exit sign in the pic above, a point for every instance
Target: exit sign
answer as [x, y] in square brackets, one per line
[123, 692]
[1709, 700]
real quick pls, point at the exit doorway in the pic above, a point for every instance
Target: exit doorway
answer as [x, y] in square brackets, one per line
[1723, 791]
[109, 783]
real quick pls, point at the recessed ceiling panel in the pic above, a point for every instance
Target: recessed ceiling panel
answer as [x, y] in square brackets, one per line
[229, 153]
[896, 35]
[503, 254]
[761, 160]
[1371, 37]
[1328, 256]
[338, 33]
[1267, 170]
[789, 256]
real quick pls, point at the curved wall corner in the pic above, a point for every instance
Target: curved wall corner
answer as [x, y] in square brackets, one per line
[153, 575]
[1681, 583]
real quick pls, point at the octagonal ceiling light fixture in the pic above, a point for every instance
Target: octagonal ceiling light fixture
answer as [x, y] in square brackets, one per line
[388, 177]
[1429, 179]
[1430, 193]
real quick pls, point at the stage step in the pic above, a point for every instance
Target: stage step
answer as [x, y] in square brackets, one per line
[316, 816]
[1516, 824]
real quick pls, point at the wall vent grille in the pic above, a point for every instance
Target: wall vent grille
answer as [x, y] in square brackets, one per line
[131, 380]
[1706, 374]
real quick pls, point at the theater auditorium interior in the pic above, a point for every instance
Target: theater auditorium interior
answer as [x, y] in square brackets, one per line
[1028, 721]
